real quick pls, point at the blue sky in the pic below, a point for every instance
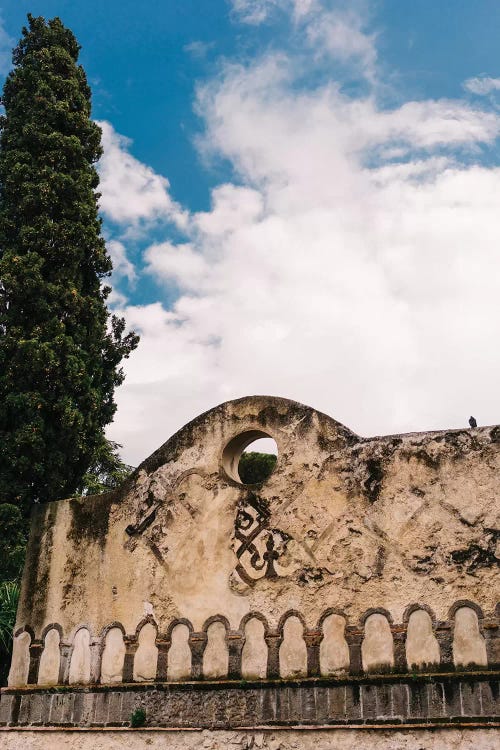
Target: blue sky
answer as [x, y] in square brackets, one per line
[306, 205]
[144, 75]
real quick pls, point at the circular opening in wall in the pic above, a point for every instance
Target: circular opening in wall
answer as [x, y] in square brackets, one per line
[250, 458]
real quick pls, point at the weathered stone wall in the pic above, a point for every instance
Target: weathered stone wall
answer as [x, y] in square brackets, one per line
[367, 523]
[441, 700]
[355, 557]
[347, 534]
[254, 651]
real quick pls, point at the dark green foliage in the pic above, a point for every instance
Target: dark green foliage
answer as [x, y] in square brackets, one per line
[254, 467]
[60, 350]
[106, 472]
[9, 596]
[13, 538]
[138, 718]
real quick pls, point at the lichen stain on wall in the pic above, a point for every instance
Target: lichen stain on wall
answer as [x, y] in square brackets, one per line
[345, 522]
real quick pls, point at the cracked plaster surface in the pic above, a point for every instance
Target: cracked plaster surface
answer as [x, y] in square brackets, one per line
[350, 523]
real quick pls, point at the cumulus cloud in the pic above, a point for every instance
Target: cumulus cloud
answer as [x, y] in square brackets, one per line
[232, 207]
[351, 264]
[180, 264]
[341, 35]
[122, 266]
[327, 28]
[116, 299]
[131, 191]
[482, 85]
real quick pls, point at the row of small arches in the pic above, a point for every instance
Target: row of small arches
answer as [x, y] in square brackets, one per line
[116, 658]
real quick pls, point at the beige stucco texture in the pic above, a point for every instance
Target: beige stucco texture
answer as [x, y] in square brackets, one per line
[364, 739]
[345, 531]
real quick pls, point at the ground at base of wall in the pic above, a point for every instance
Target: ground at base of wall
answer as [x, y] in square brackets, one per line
[338, 739]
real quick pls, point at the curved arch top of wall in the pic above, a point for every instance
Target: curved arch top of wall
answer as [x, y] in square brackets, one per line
[227, 429]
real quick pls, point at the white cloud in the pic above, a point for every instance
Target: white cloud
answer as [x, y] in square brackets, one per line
[274, 135]
[232, 207]
[122, 266]
[482, 85]
[341, 35]
[198, 49]
[180, 264]
[255, 12]
[131, 191]
[328, 28]
[116, 299]
[352, 265]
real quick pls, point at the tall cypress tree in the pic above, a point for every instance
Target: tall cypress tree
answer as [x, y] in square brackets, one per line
[60, 350]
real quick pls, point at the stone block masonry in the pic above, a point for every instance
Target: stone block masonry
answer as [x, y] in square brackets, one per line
[421, 700]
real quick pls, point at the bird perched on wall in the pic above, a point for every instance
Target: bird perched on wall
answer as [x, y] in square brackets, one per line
[472, 422]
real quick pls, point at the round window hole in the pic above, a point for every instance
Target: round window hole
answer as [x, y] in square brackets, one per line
[250, 458]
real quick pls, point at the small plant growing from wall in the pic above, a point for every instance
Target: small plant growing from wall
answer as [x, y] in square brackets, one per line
[138, 718]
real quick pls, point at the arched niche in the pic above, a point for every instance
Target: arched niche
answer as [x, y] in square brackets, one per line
[333, 650]
[79, 666]
[146, 656]
[50, 660]
[216, 655]
[113, 656]
[377, 649]
[469, 647]
[422, 647]
[20, 662]
[179, 655]
[254, 653]
[293, 651]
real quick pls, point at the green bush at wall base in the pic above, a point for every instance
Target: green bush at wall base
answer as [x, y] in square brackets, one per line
[138, 718]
